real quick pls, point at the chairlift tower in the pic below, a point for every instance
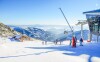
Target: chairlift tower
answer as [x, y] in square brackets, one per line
[82, 22]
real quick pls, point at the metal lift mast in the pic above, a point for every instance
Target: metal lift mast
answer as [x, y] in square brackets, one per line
[66, 20]
[73, 42]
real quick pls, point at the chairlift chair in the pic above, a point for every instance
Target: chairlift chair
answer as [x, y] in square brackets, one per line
[65, 32]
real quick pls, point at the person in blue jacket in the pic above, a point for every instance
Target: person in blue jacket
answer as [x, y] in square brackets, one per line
[81, 40]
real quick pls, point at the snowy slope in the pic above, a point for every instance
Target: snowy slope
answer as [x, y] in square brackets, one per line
[36, 52]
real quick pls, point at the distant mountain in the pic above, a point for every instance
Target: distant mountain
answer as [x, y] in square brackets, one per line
[49, 34]
[6, 31]
[35, 33]
[22, 31]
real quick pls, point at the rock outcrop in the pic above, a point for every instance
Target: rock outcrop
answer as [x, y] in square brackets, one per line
[6, 31]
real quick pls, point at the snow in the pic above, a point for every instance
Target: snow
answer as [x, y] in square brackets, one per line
[34, 51]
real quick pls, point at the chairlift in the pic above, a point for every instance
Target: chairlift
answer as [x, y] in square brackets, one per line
[65, 32]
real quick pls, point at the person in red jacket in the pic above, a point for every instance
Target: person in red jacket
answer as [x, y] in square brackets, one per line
[73, 42]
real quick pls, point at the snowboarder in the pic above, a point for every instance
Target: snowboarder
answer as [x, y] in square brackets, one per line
[81, 40]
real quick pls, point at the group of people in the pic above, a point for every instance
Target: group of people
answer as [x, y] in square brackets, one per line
[74, 41]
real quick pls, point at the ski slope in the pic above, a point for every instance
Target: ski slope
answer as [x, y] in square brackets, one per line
[34, 51]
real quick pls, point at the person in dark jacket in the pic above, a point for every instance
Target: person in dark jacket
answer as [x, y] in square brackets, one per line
[75, 39]
[81, 40]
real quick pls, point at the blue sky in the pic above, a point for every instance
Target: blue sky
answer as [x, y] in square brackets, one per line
[29, 12]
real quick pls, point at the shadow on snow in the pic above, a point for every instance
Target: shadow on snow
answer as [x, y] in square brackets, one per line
[91, 50]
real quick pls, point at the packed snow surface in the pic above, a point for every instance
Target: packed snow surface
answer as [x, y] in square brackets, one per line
[34, 51]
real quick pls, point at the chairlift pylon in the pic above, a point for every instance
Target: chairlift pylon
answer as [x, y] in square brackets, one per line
[67, 21]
